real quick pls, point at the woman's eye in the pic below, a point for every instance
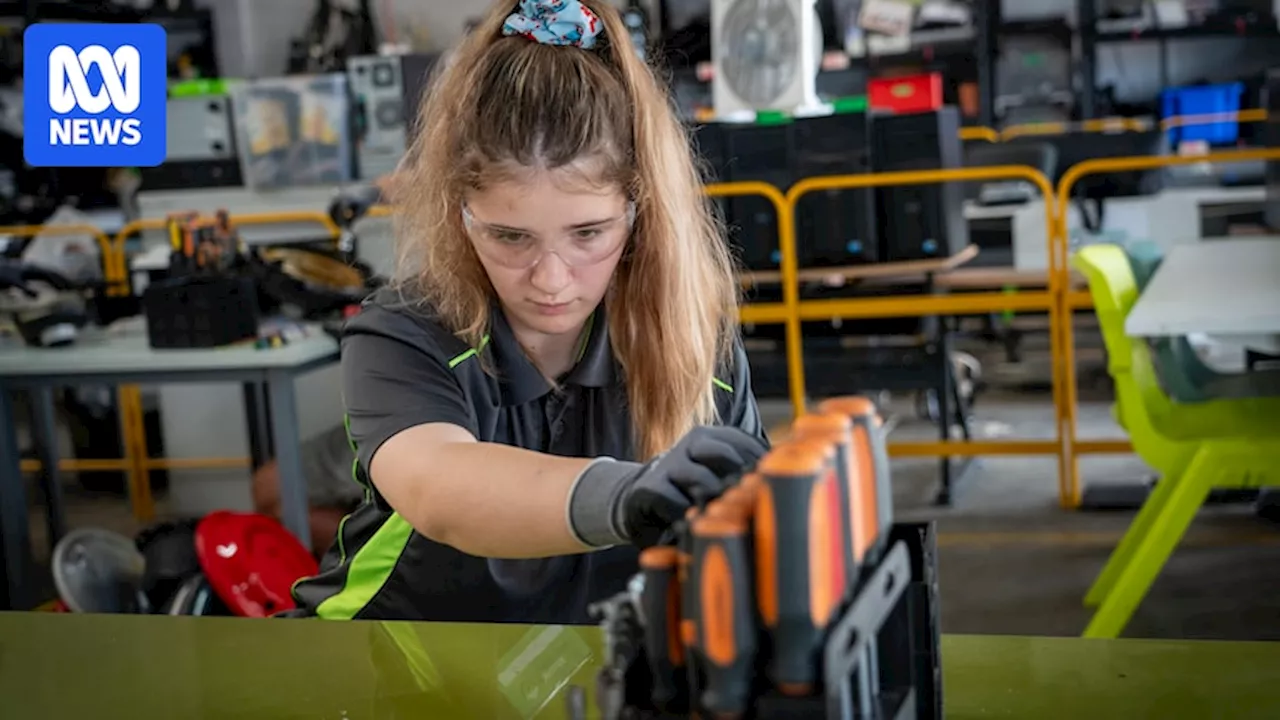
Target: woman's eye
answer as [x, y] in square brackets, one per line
[504, 236]
[588, 233]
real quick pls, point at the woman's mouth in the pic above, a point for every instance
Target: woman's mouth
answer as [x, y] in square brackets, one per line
[552, 308]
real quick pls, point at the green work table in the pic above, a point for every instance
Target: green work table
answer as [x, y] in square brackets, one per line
[131, 667]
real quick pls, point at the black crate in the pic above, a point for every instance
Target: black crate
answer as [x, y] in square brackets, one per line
[200, 312]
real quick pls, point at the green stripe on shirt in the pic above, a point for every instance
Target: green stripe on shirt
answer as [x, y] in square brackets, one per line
[369, 570]
[469, 353]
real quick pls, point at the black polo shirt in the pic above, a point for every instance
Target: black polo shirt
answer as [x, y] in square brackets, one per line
[402, 368]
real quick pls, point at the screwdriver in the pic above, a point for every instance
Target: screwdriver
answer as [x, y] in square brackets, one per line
[869, 452]
[837, 429]
[870, 460]
[742, 498]
[794, 560]
[685, 575]
[660, 604]
[736, 503]
[727, 632]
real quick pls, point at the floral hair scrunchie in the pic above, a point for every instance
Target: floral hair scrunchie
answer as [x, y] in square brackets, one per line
[555, 22]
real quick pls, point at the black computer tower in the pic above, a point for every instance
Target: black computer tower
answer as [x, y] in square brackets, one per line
[834, 227]
[386, 92]
[760, 153]
[918, 222]
[707, 143]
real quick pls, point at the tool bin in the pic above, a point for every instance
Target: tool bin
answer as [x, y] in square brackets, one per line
[1203, 100]
[906, 95]
[197, 311]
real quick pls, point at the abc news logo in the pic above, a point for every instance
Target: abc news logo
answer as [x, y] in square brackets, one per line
[69, 91]
[95, 94]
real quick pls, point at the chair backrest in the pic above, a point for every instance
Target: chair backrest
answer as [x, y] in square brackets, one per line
[1145, 258]
[1182, 373]
[1142, 403]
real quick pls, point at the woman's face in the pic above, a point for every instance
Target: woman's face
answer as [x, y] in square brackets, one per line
[549, 243]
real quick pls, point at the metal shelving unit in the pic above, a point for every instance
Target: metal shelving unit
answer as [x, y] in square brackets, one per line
[1224, 25]
[187, 29]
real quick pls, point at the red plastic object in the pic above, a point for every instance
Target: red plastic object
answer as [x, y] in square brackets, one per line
[251, 561]
[907, 94]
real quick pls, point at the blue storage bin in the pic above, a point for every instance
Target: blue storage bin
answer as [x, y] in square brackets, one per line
[1203, 100]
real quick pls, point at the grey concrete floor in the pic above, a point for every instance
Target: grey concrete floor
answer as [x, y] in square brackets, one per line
[1012, 561]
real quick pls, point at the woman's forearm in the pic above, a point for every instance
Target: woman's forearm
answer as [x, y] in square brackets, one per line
[484, 499]
[499, 501]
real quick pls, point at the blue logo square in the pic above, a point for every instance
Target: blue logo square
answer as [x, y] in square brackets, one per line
[94, 95]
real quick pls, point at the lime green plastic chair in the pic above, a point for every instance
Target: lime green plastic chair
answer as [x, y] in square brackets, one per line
[1196, 447]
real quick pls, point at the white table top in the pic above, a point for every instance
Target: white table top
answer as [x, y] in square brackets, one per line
[1226, 287]
[125, 349]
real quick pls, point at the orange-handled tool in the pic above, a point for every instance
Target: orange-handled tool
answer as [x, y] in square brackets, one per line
[660, 605]
[795, 559]
[727, 637]
[741, 497]
[870, 454]
[686, 578]
[838, 430]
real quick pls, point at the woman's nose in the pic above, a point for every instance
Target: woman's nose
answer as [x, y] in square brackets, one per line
[551, 274]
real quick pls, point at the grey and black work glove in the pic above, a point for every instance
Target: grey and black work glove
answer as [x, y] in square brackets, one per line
[617, 502]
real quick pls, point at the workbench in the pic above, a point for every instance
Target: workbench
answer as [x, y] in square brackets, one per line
[127, 667]
[121, 355]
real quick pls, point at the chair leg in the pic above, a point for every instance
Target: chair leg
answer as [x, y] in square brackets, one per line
[1154, 548]
[1138, 529]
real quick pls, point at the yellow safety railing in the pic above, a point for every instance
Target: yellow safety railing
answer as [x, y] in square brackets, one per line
[1064, 358]
[1109, 125]
[1102, 125]
[915, 305]
[976, 132]
[1255, 115]
[112, 271]
[785, 313]
[275, 218]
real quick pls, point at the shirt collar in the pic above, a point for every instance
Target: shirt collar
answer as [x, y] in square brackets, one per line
[521, 381]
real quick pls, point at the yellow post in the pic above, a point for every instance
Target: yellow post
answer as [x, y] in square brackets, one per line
[790, 287]
[134, 438]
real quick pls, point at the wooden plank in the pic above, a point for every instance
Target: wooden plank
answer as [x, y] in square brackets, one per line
[904, 270]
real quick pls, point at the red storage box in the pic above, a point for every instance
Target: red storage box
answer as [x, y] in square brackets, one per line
[907, 94]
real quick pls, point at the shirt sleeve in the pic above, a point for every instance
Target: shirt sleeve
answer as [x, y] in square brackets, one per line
[739, 408]
[394, 377]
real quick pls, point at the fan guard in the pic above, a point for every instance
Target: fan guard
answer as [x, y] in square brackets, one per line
[760, 59]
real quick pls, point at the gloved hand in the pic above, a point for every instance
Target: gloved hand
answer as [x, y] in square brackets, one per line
[620, 502]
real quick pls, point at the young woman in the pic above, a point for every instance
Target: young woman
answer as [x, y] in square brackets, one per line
[559, 376]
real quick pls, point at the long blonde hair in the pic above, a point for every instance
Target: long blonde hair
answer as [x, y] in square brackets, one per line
[508, 101]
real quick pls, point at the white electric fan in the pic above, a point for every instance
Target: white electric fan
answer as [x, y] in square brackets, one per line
[766, 56]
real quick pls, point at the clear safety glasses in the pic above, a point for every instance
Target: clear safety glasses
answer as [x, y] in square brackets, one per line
[519, 250]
